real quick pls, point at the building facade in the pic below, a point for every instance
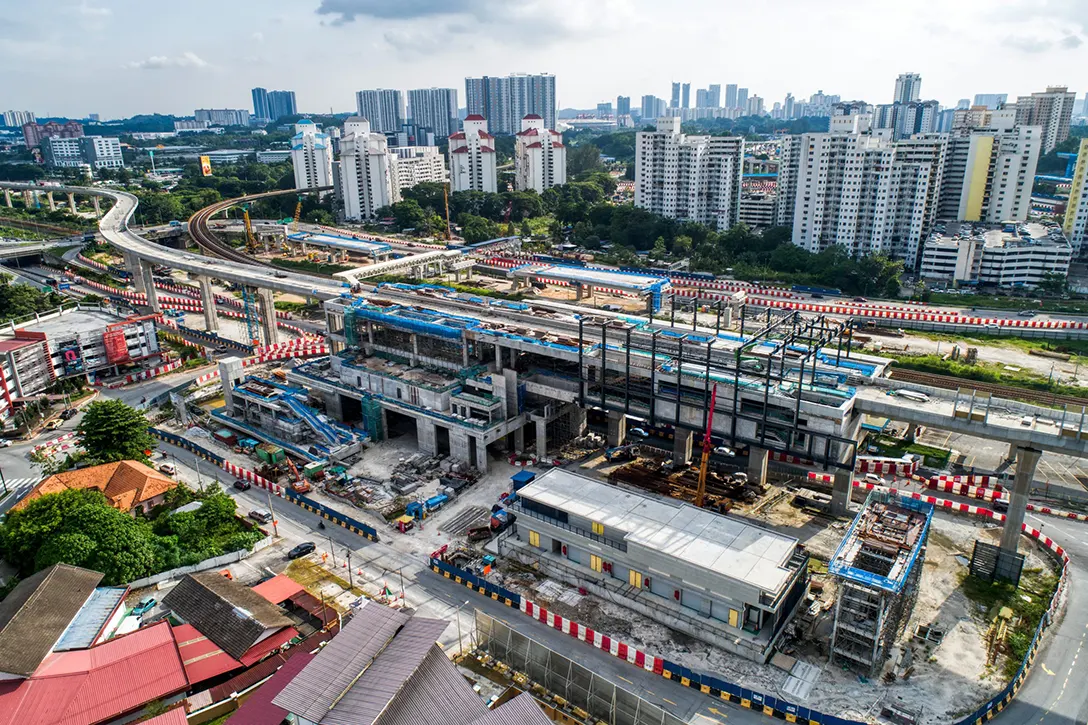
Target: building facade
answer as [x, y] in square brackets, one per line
[33, 133]
[281, 103]
[504, 101]
[1075, 224]
[367, 175]
[417, 164]
[311, 156]
[690, 178]
[472, 157]
[223, 116]
[260, 104]
[100, 152]
[384, 108]
[623, 105]
[434, 109]
[540, 158]
[1005, 255]
[989, 172]
[18, 119]
[1052, 110]
[908, 88]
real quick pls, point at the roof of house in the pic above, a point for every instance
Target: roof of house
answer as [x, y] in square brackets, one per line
[278, 589]
[258, 708]
[384, 668]
[38, 611]
[92, 619]
[173, 716]
[124, 483]
[230, 614]
[532, 116]
[520, 710]
[474, 117]
[458, 136]
[202, 658]
[99, 684]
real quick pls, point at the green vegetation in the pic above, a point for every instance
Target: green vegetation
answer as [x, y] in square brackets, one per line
[113, 431]
[14, 233]
[79, 527]
[20, 300]
[1028, 604]
[985, 373]
[311, 267]
[59, 218]
[1006, 302]
[897, 448]
[298, 308]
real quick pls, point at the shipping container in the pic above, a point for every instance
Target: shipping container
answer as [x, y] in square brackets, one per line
[226, 436]
[270, 454]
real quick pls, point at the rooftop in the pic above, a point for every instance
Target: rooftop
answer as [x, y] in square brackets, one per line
[38, 611]
[620, 280]
[720, 544]
[883, 542]
[125, 484]
[78, 322]
[93, 618]
[339, 242]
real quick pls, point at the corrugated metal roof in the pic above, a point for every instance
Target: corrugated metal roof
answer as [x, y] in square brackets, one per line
[174, 716]
[92, 618]
[278, 589]
[98, 684]
[372, 693]
[521, 710]
[313, 693]
[203, 659]
[436, 694]
[259, 651]
[258, 708]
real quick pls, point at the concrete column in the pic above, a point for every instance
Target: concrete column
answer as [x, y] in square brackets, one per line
[132, 264]
[52, 202]
[426, 436]
[681, 447]
[207, 298]
[541, 439]
[577, 420]
[1010, 454]
[727, 317]
[757, 465]
[415, 349]
[7, 198]
[578, 292]
[97, 209]
[230, 370]
[459, 450]
[72, 203]
[370, 332]
[912, 431]
[267, 308]
[149, 287]
[498, 358]
[840, 492]
[617, 428]
[28, 199]
[1026, 461]
[481, 455]
[464, 350]
[519, 439]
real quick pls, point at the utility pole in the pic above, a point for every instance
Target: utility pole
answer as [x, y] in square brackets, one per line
[332, 551]
[275, 524]
[3, 481]
[351, 577]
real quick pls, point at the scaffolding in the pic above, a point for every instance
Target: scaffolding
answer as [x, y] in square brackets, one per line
[878, 567]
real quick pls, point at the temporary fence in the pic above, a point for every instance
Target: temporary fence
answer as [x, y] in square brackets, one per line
[147, 374]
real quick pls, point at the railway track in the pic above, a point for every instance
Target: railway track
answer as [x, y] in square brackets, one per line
[1002, 391]
[211, 244]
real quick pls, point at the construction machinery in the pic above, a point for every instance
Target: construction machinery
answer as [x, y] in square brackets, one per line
[298, 214]
[298, 485]
[700, 493]
[249, 307]
[446, 198]
[251, 241]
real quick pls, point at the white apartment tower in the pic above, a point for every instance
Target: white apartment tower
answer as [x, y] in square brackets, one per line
[908, 87]
[434, 109]
[866, 192]
[384, 108]
[311, 155]
[690, 178]
[540, 159]
[367, 181]
[989, 167]
[1052, 110]
[472, 157]
[1076, 210]
[416, 164]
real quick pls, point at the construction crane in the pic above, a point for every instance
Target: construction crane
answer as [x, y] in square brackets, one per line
[298, 214]
[251, 241]
[446, 197]
[250, 308]
[700, 494]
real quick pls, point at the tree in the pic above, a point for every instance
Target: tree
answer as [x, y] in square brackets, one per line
[526, 230]
[659, 251]
[410, 215]
[681, 246]
[583, 158]
[478, 229]
[112, 431]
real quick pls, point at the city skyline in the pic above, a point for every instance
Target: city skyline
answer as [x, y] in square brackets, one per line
[1016, 51]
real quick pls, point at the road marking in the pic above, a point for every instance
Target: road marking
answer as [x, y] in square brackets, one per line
[1047, 670]
[669, 701]
[716, 711]
[625, 679]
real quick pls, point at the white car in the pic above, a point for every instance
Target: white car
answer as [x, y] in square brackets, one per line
[4, 443]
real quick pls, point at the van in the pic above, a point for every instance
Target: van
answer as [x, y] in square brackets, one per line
[875, 479]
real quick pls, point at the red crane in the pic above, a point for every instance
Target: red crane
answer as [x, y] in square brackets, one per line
[700, 494]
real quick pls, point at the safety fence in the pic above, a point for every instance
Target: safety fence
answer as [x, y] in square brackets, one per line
[745, 697]
[245, 474]
[147, 374]
[305, 349]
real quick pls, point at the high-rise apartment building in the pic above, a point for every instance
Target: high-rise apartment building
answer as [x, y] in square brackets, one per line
[690, 178]
[702, 98]
[99, 152]
[18, 119]
[863, 191]
[915, 117]
[788, 106]
[261, 109]
[908, 87]
[993, 101]
[1052, 110]
[384, 108]
[623, 105]
[674, 100]
[367, 171]
[649, 108]
[472, 157]
[714, 96]
[33, 133]
[731, 95]
[540, 158]
[989, 167]
[604, 110]
[223, 116]
[685, 96]
[417, 164]
[504, 101]
[311, 156]
[434, 109]
[1076, 209]
[281, 103]
[755, 106]
[742, 99]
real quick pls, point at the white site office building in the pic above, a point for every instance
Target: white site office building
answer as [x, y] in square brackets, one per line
[472, 157]
[367, 174]
[540, 158]
[311, 156]
[690, 178]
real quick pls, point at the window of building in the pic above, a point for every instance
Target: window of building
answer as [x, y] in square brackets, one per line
[634, 578]
[598, 528]
[534, 539]
[595, 562]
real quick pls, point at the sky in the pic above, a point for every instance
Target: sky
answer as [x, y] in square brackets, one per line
[118, 58]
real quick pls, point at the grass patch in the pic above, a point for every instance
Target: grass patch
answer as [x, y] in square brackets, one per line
[991, 302]
[896, 448]
[13, 233]
[321, 268]
[297, 307]
[985, 373]
[1075, 348]
[1028, 603]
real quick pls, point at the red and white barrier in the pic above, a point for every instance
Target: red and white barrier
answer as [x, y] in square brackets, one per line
[896, 466]
[974, 480]
[147, 374]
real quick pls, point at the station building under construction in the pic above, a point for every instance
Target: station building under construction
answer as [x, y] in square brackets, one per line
[878, 567]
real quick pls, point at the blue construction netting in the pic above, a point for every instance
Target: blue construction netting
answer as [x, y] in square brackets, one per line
[398, 322]
[839, 569]
[332, 515]
[477, 582]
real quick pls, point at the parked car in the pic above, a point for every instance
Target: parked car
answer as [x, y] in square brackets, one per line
[875, 479]
[168, 468]
[1026, 313]
[262, 516]
[4, 443]
[145, 606]
[306, 547]
[54, 424]
[860, 299]
[68, 413]
[242, 485]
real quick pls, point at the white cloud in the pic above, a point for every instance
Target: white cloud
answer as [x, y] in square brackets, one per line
[188, 59]
[91, 12]
[258, 36]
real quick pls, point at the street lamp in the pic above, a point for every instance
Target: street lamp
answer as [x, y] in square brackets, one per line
[460, 641]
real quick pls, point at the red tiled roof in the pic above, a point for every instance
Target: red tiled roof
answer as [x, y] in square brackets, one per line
[529, 132]
[459, 150]
[474, 117]
[124, 483]
[262, 649]
[487, 150]
[533, 116]
[96, 685]
[258, 708]
[458, 136]
[202, 658]
[278, 589]
[484, 134]
[535, 145]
